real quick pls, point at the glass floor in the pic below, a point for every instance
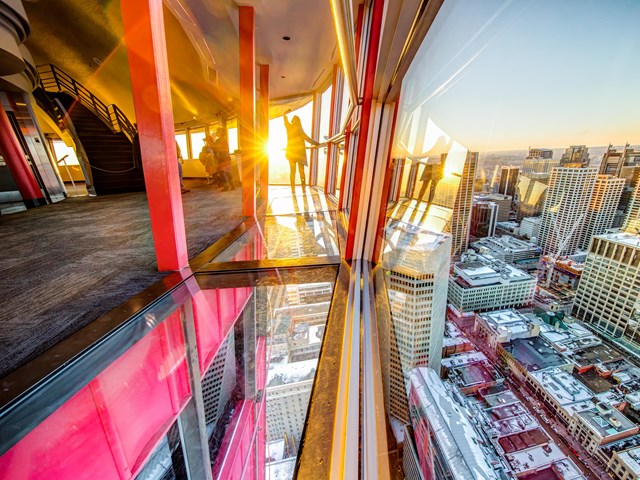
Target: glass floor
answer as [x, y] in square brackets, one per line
[216, 374]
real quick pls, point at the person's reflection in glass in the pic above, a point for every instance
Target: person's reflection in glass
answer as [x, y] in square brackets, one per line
[431, 176]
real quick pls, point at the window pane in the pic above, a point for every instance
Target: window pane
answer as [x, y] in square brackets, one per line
[325, 113]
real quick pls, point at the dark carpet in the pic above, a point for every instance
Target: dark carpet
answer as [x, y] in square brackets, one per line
[64, 265]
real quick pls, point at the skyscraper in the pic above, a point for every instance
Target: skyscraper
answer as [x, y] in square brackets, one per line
[461, 217]
[565, 209]
[417, 279]
[623, 163]
[575, 154]
[632, 220]
[615, 160]
[543, 153]
[508, 180]
[607, 295]
[602, 208]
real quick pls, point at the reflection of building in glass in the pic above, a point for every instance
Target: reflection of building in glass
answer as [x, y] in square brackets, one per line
[577, 155]
[417, 266]
[608, 293]
[602, 208]
[481, 283]
[508, 180]
[565, 209]
[531, 194]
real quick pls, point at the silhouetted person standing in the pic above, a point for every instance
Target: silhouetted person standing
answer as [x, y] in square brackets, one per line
[296, 149]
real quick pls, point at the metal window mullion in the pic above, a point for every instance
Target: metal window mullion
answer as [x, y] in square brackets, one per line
[191, 421]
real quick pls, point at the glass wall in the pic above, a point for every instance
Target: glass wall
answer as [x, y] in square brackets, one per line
[279, 168]
[228, 361]
[325, 113]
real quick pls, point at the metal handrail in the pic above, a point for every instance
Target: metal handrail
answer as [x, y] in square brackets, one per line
[53, 79]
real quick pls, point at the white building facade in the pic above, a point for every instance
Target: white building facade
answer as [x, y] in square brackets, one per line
[565, 209]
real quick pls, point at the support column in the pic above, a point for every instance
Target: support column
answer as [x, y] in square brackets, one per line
[147, 52]
[315, 134]
[366, 127]
[264, 133]
[246, 117]
[17, 164]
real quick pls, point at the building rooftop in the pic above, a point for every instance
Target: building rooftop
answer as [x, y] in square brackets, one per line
[606, 421]
[457, 439]
[474, 374]
[508, 320]
[479, 270]
[567, 391]
[506, 244]
[627, 239]
[286, 373]
[571, 337]
[534, 354]
[523, 440]
[461, 359]
[534, 458]
[632, 458]
[501, 398]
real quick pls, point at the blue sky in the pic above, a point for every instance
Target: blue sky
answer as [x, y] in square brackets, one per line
[499, 75]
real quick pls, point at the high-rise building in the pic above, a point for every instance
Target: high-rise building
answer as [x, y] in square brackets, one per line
[417, 283]
[608, 294]
[461, 217]
[508, 180]
[575, 155]
[602, 208]
[538, 165]
[615, 160]
[632, 220]
[623, 163]
[502, 201]
[543, 153]
[484, 216]
[565, 209]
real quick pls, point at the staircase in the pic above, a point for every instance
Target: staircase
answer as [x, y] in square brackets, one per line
[103, 134]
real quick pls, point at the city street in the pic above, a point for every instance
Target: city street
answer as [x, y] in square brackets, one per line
[590, 467]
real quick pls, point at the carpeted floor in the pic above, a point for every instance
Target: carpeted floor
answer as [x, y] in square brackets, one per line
[64, 265]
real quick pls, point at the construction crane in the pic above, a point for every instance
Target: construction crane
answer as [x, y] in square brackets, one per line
[552, 258]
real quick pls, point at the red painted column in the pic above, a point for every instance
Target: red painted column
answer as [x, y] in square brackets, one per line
[246, 117]
[365, 117]
[17, 164]
[264, 132]
[146, 49]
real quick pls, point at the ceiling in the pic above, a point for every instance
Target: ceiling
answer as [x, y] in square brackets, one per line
[202, 50]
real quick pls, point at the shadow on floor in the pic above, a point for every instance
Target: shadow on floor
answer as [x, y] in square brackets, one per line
[64, 265]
